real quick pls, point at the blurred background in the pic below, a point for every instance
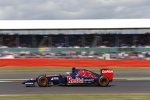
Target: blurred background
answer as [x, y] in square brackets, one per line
[76, 43]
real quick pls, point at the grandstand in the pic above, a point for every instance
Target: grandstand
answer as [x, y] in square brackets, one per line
[84, 37]
[97, 39]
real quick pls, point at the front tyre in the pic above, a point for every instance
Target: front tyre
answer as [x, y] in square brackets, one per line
[103, 81]
[42, 81]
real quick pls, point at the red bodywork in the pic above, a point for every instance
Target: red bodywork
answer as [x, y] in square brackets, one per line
[86, 74]
[108, 73]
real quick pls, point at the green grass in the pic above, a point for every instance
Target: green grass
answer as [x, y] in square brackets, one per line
[78, 97]
[60, 69]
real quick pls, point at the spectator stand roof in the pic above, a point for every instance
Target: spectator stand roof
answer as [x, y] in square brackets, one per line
[105, 26]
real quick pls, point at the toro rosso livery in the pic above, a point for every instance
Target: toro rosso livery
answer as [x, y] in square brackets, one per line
[76, 77]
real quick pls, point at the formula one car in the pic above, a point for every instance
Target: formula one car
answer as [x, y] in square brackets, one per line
[76, 77]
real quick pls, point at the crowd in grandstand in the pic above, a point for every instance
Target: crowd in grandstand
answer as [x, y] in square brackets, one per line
[88, 40]
[75, 41]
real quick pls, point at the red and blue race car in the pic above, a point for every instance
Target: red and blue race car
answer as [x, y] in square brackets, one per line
[76, 77]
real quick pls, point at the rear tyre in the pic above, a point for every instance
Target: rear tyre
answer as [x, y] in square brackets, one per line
[42, 81]
[103, 81]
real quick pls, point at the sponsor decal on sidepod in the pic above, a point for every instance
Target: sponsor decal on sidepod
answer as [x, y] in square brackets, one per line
[107, 71]
[76, 80]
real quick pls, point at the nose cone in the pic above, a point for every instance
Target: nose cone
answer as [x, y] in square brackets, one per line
[32, 80]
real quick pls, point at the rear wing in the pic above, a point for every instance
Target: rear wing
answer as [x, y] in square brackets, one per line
[109, 73]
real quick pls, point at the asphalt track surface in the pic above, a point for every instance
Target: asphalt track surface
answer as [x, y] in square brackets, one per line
[117, 86]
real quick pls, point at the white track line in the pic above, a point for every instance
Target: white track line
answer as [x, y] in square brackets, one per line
[13, 79]
[10, 95]
[8, 81]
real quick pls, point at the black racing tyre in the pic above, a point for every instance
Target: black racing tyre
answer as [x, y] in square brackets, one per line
[65, 81]
[42, 81]
[103, 81]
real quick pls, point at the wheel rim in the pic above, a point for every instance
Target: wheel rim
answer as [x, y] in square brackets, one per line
[42, 81]
[103, 81]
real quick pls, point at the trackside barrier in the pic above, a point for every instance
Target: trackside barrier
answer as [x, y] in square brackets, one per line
[38, 62]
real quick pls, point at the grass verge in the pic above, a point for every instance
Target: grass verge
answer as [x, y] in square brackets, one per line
[127, 96]
[61, 69]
